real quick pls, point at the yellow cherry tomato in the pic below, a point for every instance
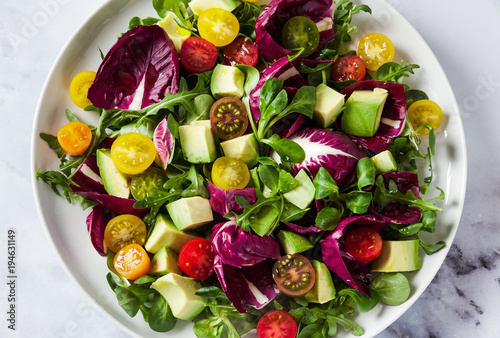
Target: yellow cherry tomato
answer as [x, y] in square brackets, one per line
[230, 173]
[375, 49]
[218, 26]
[132, 153]
[132, 261]
[123, 230]
[425, 112]
[79, 88]
[74, 138]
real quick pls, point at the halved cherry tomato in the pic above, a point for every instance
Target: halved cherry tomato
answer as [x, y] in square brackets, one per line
[364, 244]
[300, 32]
[230, 173]
[228, 118]
[375, 49]
[144, 184]
[132, 261]
[123, 230]
[218, 26]
[241, 51]
[349, 67]
[74, 138]
[198, 55]
[294, 275]
[79, 87]
[277, 324]
[425, 112]
[196, 259]
[132, 153]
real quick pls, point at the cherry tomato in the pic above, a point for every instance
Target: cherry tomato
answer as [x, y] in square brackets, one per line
[79, 88]
[277, 324]
[425, 112]
[74, 138]
[132, 261]
[132, 153]
[375, 49]
[218, 26]
[144, 184]
[123, 230]
[228, 118]
[294, 275]
[241, 51]
[230, 173]
[198, 55]
[300, 32]
[196, 259]
[349, 67]
[364, 244]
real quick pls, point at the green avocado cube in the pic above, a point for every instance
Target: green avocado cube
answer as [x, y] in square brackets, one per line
[165, 233]
[197, 143]
[398, 256]
[227, 81]
[244, 148]
[303, 194]
[384, 162]
[292, 243]
[363, 111]
[323, 290]
[329, 105]
[190, 212]
[165, 261]
[116, 183]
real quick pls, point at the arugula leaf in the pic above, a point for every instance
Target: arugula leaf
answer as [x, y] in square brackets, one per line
[394, 72]
[250, 211]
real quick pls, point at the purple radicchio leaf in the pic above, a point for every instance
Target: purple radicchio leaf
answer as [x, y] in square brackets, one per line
[405, 180]
[96, 223]
[307, 224]
[376, 144]
[272, 19]
[336, 258]
[395, 213]
[394, 113]
[248, 286]
[139, 70]
[223, 201]
[164, 143]
[238, 248]
[87, 176]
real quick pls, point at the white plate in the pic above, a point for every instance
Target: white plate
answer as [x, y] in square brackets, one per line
[65, 223]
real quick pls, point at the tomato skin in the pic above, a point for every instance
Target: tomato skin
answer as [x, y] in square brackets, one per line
[132, 261]
[349, 67]
[241, 52]
[133, 153]
[218, 26]
[300, 32]
[375, 49]
[198, 55]
[364, 244]
[294, 275]
[425, 112]
[75, 138]
[228, 118]
[196, 259]
[79, 87]
[123, 230]
[230, 173]
[277, 324]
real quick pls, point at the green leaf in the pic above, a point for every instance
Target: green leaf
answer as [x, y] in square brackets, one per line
[245, 219]
[292, 213]
[286, 182]
[358, 201]
[53, 144]
[392, 288]
[269, 91]
[289, 151]
[394, 72]
[366, 172]
[311, 331]
[364, 303]
[264, 221]
[128, 301]
[213, 295]
[303, 102]
[432, 248]
[208, 328]
[325, 185]
[160, 316]
[328, 218]
[270, 177]
[413, 95]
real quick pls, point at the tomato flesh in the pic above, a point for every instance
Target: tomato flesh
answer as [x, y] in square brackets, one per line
[79, 87]
[230, 173]
[277, 324]
[375, 49]
[300, 33]
[241, 51]
[425, 112]
[75, 138]
[294, 275]
[196, 259]
[198, 55]
[132, 261]
[349, 67]
[228, 118]
[364, 244]
[132, 153]
[218, 26]
[123, 230]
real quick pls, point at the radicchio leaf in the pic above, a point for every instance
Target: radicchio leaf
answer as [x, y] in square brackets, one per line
[405, 180]
[96, 223]
[223, 201]
[164, 143]
[88, 177]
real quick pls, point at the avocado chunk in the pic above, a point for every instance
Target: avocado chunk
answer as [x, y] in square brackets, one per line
[227, 81]
[198, 6]
[165, 261]
[329, 105]
[165, 233]
[175, 32]
[292, 243]
[179, 292]
[244, 148]
[363, 111]
[398, 256]
[116, 183]
[323, 290]
[384, 161]
[197, 143]
[303, 194]
[190, 212]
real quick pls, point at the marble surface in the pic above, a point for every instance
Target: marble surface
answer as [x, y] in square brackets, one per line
[463, 299]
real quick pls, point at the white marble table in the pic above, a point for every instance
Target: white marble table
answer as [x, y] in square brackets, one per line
[462, 301]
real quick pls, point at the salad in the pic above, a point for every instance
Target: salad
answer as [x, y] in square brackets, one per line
[249, 170]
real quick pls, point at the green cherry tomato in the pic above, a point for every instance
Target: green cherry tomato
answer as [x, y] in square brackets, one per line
[300, 33]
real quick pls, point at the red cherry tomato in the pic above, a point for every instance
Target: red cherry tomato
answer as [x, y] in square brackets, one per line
[349, 67]
[196, 259]
[240, 52]
[277, 324]
[198, 55]
[364, 244]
